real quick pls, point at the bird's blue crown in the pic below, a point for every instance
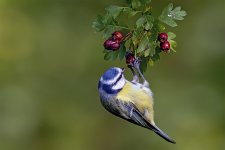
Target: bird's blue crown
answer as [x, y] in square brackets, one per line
[112, 80]
[110, 74]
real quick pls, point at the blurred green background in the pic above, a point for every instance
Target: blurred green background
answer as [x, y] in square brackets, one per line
[51, 60]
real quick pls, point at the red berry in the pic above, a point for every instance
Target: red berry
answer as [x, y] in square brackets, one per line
[117, 36]
[107, 44]
[162, 37]
[165, 46]
[115, 46]
[130, 58]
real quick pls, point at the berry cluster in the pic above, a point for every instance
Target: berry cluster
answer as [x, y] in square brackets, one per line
[164, 44]
[113, 43]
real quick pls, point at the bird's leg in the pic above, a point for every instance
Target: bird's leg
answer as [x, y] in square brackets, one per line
[137, 67]
[135, 76]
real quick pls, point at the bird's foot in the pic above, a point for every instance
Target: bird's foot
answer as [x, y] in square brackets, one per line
[136, 65]
[135, 76]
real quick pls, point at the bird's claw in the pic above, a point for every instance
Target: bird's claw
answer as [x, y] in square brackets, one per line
[136, 63]
[135, 77]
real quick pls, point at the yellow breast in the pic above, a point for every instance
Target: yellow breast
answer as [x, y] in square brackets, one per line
[141, 98]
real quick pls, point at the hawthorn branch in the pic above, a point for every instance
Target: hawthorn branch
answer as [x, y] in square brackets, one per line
[125, 38]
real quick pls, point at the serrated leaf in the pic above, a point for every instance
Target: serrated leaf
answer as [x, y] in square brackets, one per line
[136, 35]
[145, 21]
[105, 51]
[108, 25]
[132, 13]
[129, 11]
[140, 22]
[171, 35]
[149, 22]
[173, 45]
[147, 52]
[152, 47]
[155, 31]
[144, 44]
[169, 15]
[108, 32]
[114, 55]
[98, 24]
[129, 2]
[114, 10]
[168, 21]
[135, 4]
[144, 63]
[122, 52]
[156, 56]
[177, 13]
[145, 1]
[161, 27]
[151, 62]
[107, 56]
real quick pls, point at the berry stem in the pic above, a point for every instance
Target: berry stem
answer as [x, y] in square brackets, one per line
[129, 34]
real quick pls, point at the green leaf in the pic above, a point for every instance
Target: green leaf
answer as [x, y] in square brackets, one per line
[156, 56]
[137, 3]
[129, 2]
[149, 22]
[152, 47]
[169, 15]
[177, 13]
[98, 24]
[111, 55]
[144, 44]
[114, 55]
[107, 56]
[114, 11]
[155, 31]
[145, 21]
[144, 63]
[140, 22]
[161, 27]
[171, 35]
[109, 24]
[151, 62]
[137, 34]
[122, 52]
[108, 32]
[130, 11]
[173, 45]
[145, 1]
[147, 52]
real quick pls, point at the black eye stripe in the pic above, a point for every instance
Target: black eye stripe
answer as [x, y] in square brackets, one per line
[118, 79]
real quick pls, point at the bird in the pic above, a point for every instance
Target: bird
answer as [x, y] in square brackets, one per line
[129, 100]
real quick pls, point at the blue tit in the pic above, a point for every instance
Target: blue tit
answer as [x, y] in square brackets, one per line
[129, 100]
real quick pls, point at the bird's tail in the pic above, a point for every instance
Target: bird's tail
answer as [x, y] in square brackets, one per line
[161, 133]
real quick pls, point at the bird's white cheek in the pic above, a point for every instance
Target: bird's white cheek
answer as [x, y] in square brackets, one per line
[119, 85]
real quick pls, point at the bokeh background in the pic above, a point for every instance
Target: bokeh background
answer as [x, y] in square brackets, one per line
[51, 60]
